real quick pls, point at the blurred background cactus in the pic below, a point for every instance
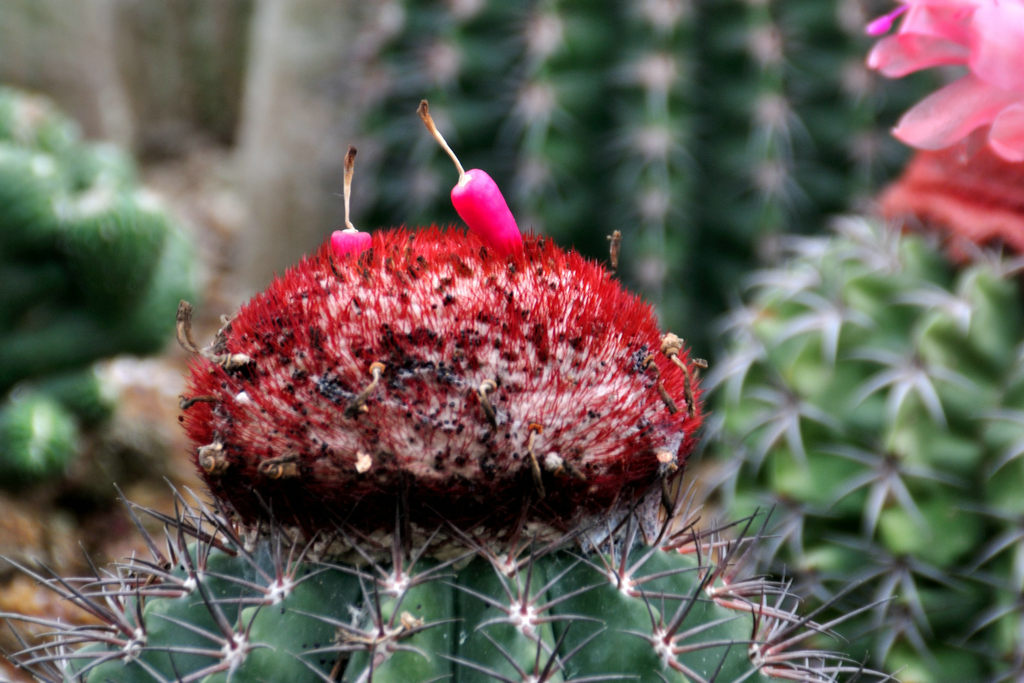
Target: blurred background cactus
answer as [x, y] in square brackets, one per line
[90, 266]
[872, 398]
[701, 130]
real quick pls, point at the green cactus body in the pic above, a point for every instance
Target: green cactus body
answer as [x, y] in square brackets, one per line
[82, 249]
[210, 609]
[873, 396]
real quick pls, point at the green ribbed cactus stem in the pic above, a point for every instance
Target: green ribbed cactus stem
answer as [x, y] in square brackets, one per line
[211, 607]
[111, 245]
[873, 395]
[82, 392]
[34, 122]
[652, 171]
[90, 267]
[793, 128]
[30, 184]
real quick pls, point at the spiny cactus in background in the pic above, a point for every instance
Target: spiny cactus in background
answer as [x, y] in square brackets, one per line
[700, 130]
[40, 421]
[210, 606]
[874, 398]
[89, 267]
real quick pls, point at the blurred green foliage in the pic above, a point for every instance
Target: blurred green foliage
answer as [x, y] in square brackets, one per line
[90, 266]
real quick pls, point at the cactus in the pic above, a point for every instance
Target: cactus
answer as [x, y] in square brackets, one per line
[873, 396]
[89, 267]
[37, 439]
[703, 127]
[425, 464]
[212, 606]
[40, 423]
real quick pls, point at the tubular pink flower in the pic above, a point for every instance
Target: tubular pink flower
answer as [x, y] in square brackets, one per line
[479, 202]
[984, 36]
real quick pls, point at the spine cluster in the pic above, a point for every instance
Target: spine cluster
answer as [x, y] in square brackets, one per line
[209, 607]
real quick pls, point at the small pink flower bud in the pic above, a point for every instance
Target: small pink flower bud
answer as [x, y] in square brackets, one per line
[883, 24]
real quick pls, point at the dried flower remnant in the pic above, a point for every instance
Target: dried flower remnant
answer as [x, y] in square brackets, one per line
[985, 36]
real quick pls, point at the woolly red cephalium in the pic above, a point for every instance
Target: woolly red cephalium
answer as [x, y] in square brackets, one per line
[428, 375]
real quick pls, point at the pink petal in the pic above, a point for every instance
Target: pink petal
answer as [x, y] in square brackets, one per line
[949, 114]
[898, 55]
[1007, 135]
[997, 46]
[944, 20]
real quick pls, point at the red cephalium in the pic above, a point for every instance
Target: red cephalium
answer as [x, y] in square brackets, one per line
[430, 376]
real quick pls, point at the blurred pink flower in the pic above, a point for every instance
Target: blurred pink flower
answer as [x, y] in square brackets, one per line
[986, 37]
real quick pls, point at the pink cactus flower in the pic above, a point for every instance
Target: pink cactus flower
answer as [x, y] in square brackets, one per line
[984, 36]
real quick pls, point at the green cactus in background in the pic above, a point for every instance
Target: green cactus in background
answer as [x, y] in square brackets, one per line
[874, 397]
[210, 606]
[40, 421]
[90, 266]
[37, 439]
[700, 130]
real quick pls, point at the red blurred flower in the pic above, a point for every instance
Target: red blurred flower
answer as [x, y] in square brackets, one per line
[986, 37]
[969, 198]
